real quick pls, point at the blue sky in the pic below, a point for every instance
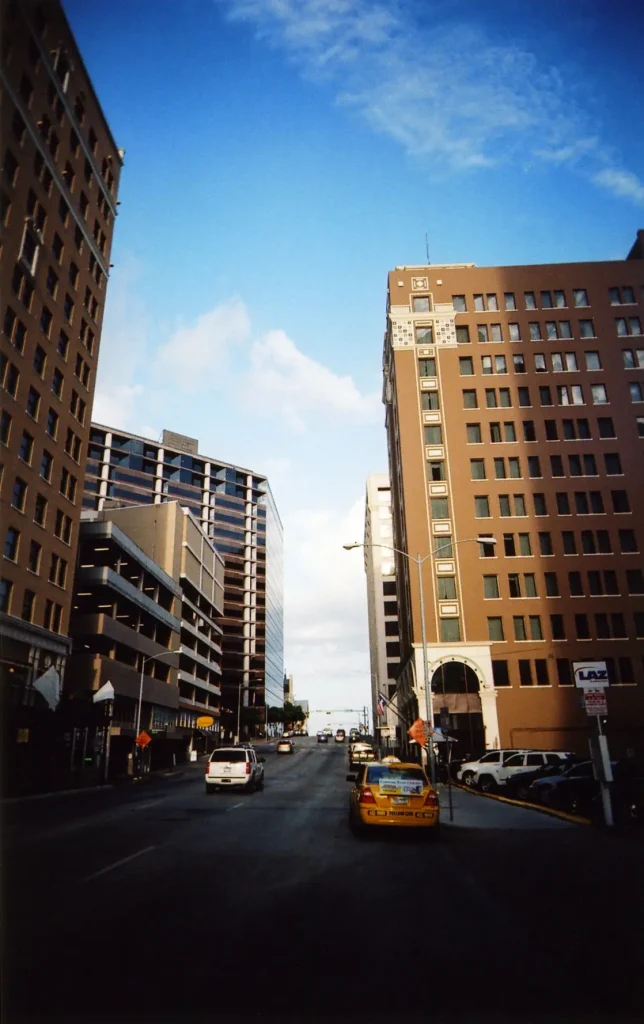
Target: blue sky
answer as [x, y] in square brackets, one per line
[281, 157]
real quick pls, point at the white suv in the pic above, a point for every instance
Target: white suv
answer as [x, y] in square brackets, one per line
[234, 766]
[490, 776]
[468, 770]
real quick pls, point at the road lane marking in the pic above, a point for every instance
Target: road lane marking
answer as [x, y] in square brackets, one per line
[235, 806]
[119, 863]
[142, 807]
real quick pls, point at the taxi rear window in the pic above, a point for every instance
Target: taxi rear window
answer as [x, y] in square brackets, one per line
[385, 771]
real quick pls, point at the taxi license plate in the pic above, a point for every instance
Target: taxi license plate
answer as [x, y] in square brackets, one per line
[400, 800]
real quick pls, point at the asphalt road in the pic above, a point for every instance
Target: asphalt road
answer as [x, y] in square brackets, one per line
[162, 904]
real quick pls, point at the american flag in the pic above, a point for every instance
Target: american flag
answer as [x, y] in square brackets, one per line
[381, 705]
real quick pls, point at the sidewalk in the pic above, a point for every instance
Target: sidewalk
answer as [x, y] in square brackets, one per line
[474, 811]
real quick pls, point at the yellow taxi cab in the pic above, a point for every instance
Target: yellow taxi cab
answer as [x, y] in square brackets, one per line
[398, 795]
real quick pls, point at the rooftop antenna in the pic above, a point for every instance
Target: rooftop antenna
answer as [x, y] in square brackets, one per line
[427, 248]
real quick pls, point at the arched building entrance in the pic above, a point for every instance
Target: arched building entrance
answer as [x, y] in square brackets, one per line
[455, 685]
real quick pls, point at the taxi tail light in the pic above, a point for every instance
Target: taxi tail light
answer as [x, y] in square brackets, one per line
[366, 797]
[431, 800]
[248, 767]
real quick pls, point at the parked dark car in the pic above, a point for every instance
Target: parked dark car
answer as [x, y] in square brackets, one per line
[322, 737]
[517, 787]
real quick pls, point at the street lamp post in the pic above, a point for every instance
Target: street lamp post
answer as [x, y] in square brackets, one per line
[151, 657]
[418, 561]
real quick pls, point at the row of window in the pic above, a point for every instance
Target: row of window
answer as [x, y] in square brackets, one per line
[542, 672]
[555, 330]
[600, 583]
[510, 468]
[592, 542]
[52, 612]
[566, 394]
[10, 379]
[618, 296]
[57, 568]
[515, 504]
[600, 626]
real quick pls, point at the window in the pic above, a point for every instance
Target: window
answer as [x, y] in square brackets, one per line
[444, 547]
[492, 302]
[571, 362]
[481, 506]
[487, 365]
[446, 588]
[595, 586]
[420, 304]
[574, 465]
[636, 392]
[436, 470]
[439, 508]
[6, 586]
[635, 581]
[63, 345]
[470, 400]
[424, 336]
[535, 332]
[639, 422]
[580, 297]
[539, 501]
[525, 548]
[596, 503]
[593, 362]
[477, 469]
[581, 503]
[496, 333]
[500, 673]
[540, 363]
[19, 494]
[40, 510]
[490, 398]
[52, 423]
[515, 332]
[474, 433]
[621, 296]
[564, 673]
[495, 628]
[529, 433]
[519, 628]
[479, 304]
[491, 587]
[466, 366]
[482, 333]
[564, 329]
[458, 301]
[12, 539]
[519, 505]
[519, 364]
[509, 301]
[450, 631]
[429, 399]
[552, 584]
[524, 397]
[613, 464]
[68, 308]
[486, 550]
[533, 466]
[33, 403]
[599, 394]
[509, 546]
[604, 542]
[504, 505]
[563, 504]
[499, 469]
[582, 629]
[551, 330]
[545, 396]
[586, 329]
[495, 433]
[627, 541]
[556, 465]
[545, 544]
[462, 334]
[46, 465]
[57, 383]
[606, 428]
[514, 465]
[28, 603]
[530, 301]
[500, 364]
[426, 367]
[620, 501]
[588, 542]
[630, 325]
[514, 584]
[546, 300]
[638, 617]
[33, 559]
[433, 434]
[569, 543]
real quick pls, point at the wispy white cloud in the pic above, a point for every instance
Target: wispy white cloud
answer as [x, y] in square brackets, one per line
[452, 92]
[198, 352]
[287, 381]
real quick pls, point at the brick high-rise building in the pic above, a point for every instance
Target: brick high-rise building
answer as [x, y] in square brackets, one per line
[60, 175]
[515, 412]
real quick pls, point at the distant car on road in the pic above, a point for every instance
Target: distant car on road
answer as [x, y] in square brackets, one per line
[230, 767]
[392, 795]
[322, 737]
[360, 753]
[285, 747]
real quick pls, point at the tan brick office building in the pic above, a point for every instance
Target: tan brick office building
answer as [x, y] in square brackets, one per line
[60, 171]
[515, 410]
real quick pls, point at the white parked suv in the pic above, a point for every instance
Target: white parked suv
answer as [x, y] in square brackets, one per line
[468, 770]
[234, 766]
[490, 776]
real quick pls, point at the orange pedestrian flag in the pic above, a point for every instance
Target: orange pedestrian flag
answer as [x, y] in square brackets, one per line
[418, 732]
[143, 739]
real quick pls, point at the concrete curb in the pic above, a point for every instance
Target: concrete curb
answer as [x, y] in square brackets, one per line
[574, 818]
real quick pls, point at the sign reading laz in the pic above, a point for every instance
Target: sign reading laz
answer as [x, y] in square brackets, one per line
[592, 674]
